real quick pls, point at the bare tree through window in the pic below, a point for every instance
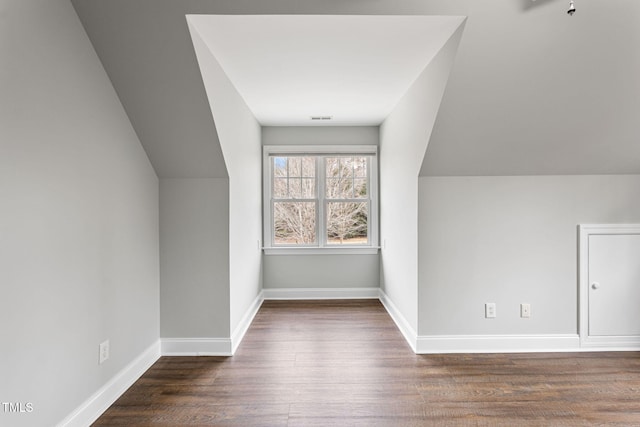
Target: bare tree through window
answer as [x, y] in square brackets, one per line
[297, 206]
[347, 205]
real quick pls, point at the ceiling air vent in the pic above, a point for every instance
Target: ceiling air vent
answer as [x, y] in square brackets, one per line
[321, 117]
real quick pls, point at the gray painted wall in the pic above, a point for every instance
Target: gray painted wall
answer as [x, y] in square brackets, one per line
[239, 136]
[321, 271]
[510, 240]
[78, 218]
[320, 135]
[404, 136]
[194, 258]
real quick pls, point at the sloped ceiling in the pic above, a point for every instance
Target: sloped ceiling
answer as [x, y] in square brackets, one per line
[533, 91]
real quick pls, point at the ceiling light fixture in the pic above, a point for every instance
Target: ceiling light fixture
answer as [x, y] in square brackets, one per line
[572, 8]
[321, 117]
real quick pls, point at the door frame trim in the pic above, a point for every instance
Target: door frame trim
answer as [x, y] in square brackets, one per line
[612, 342]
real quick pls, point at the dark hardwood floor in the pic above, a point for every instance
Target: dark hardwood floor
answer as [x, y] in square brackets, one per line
[344, 363]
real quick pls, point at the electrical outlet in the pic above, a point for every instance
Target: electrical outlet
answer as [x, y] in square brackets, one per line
[525, 310]
[490, 310]
[104, 352]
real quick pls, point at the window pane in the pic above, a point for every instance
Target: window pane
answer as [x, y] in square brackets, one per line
[334, 188]
[360, 167]
[295, 166]
[346, 167]
[359, 188]
[308, 167]
[295, 191]
[294, 223]
[279, 166]
[280, 190]
[339, 188]
[308, 188]
[347, 223]
[346, 188]
[332, 166]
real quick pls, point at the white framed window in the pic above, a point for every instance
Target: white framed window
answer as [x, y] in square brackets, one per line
[320, 199]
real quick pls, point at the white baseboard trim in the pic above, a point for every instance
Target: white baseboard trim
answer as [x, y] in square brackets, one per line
[401, 322]
[610, 343]
[320, 293]
[196, 346]
[432, 344]
[243, 326]
[94, 406]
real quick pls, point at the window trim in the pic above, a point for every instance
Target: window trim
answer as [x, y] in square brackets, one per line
[321, 247]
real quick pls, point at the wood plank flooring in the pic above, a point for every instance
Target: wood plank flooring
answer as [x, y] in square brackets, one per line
[344, 363]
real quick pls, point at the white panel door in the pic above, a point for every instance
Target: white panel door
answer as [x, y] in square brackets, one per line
[614, 285]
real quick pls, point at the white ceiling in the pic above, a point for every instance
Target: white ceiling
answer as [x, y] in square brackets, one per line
[352, 68]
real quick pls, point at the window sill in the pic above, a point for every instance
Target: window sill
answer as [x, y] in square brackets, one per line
[360, 250]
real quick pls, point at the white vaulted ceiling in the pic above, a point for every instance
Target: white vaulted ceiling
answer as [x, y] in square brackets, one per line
[351, 68]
